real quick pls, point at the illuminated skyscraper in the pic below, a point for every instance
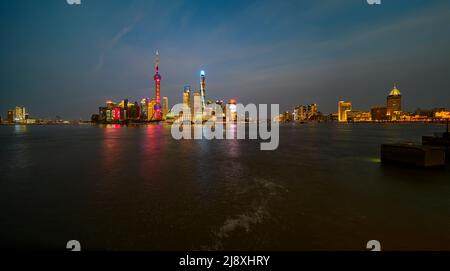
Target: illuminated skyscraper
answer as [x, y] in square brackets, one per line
[187, 111]
[124, 112]
[187, 96]
[231, 111]
[312, 110]
[19, 114]
[151, 112]
[165, 107]
[300, 113]
[198, 112]
[394, 103]
[134, 111]
[144, 109]
[343, 109]
[203, 88]
[157, 78]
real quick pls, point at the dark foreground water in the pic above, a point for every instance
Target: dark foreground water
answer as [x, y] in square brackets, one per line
[135, 188]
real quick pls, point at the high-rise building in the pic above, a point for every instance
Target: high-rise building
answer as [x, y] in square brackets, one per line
[124, 115]
[394, 103]
[343, 108]
[187, 96]
[134, 111]
[117, 114]
[10, 116]
[300, 113]
[144, 109]
[231, 111]
[151, 112]
[312, 110]
[19, 114]
[305, 112]
[187, 109]
[198, 111]
[203, 88]
[105, 112]
[157, 77]
[165, 107]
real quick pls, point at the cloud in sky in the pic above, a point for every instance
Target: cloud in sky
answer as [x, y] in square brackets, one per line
[116, 39]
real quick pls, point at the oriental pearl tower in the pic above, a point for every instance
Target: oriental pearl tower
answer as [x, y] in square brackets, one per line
[157, 78]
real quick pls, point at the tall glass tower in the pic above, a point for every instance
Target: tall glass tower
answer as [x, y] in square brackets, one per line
[203, 89]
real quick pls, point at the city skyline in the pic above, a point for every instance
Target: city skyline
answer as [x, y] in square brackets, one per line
[225, 134]
[309, 55]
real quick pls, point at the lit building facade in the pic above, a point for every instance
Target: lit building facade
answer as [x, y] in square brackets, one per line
[121, 112]
[197, 108]
[300, 113]
[394, 104]
[231, 111]
[203, 89]
[165, 107]
[187, 110]
[312, 111]
[379, 113]
[144, 109]
[151, 112]
[110, 113]
[116, 114]
[343, 108]
[187, 96]
[10, 116]
[134, 111]
[359, 116]
[304, 112]
[19, 114]
[442, 115]
[124, 109]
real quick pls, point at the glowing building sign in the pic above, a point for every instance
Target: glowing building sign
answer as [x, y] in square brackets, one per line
[116, 113]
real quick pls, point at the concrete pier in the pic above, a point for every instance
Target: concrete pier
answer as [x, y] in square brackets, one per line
[415, 155]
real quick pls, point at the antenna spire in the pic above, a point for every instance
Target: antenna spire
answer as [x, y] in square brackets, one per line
[157, 61]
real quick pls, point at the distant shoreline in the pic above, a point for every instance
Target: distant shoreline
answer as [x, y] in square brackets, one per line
[282, 123]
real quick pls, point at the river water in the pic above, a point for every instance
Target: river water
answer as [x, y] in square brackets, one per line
[136, 188]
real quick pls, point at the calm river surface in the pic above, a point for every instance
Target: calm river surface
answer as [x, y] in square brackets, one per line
[136, 188]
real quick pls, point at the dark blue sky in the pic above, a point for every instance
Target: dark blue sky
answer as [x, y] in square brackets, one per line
[58, 59]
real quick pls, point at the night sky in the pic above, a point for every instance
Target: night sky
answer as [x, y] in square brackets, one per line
[64, 60]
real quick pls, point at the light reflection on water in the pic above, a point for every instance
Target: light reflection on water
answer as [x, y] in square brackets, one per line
[134, 187]
[20, 129]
